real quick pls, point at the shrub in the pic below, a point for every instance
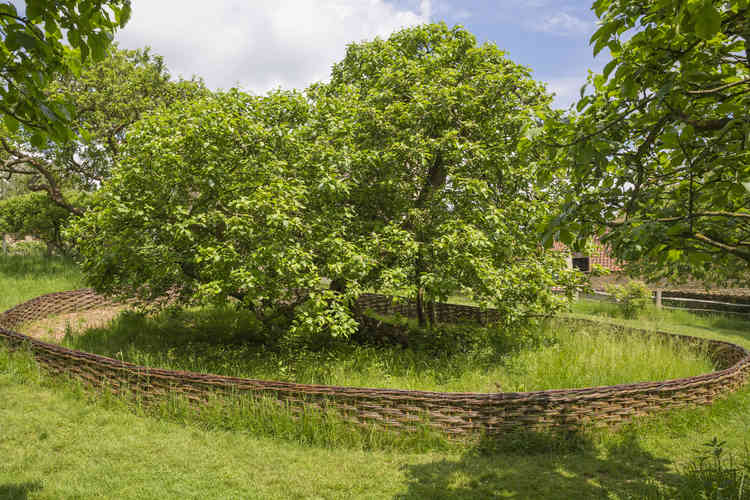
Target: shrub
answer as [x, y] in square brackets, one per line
[27, 248]
[632, 298]
[714, 474]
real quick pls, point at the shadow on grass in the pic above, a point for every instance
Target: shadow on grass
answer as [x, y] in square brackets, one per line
[19, 491]
[232, 342]
[544, 465]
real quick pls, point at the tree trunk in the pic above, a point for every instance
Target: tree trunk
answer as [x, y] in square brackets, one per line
[431, 312]
[421, 316]
[418, 270]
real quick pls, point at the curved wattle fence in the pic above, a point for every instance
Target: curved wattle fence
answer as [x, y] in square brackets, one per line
[455, 413]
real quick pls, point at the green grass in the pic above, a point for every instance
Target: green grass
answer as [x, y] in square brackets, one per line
[229, 342]
[25, 277]
[59, 441]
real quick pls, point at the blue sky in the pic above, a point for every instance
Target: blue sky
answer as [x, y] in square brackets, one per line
[258, 45]
[550, 37]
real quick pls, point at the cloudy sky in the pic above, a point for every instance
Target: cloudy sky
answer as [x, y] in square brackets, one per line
[262, 44]
[258, 45]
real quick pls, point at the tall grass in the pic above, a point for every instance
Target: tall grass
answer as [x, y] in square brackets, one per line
[227, 342]
[590, 356]
[24, 277]
[254, 415]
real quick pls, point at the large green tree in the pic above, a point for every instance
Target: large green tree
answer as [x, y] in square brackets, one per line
[413, 171]
[658, 153]
[106, 97]
[33, 50]
[430, 137]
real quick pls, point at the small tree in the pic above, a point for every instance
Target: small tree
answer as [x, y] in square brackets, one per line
[632, 297]
[34, 214]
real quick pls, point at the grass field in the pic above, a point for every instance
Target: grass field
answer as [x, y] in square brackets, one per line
[57, 441]
[25, 277]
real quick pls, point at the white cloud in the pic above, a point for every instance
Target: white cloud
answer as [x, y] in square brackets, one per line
[562, 23]
[262, 44]
[566, 89]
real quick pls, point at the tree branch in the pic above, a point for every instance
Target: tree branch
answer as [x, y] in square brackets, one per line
[720, 88]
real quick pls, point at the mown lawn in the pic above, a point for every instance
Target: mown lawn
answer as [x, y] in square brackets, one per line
[25, 277]
[57, 441]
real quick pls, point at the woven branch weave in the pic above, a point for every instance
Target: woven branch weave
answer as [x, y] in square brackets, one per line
[455, 413]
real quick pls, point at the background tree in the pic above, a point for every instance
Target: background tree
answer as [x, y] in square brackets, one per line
[106, 97]
[658, 155]
[440, 184]
[34, 214]
[32, 53]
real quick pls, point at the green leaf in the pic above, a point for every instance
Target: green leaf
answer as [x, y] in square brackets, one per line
[38, 140]
[611, 65]
[125, 13]
[33, 10]
[707, 21]
[11, 123]
[8, 9]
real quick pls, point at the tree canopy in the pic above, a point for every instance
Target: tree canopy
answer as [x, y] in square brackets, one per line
[34, 214]
[658, 153]
[441, 185]
[106, 97]
[33, 52]
[206, 203]
[413, 171]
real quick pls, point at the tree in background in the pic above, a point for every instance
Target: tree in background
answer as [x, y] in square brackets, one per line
[440, 184]
[32, 53]
[34, 214]
[658, 154]
[106, 97]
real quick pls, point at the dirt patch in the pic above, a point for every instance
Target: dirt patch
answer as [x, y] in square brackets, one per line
[53, 329]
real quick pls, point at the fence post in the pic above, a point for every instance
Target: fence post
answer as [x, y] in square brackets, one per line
[658, 298]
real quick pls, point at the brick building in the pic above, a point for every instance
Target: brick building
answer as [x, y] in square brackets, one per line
[585, 262]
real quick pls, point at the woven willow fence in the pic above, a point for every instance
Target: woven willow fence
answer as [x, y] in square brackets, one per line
[455, 413]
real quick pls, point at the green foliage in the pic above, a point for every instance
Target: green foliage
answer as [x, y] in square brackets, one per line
[34, 214]
[713, 474]
[106, 97]
[632, 297]
[429, 137]
[33, 52]
[657, 153]
[208, 201]
[410, 170]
